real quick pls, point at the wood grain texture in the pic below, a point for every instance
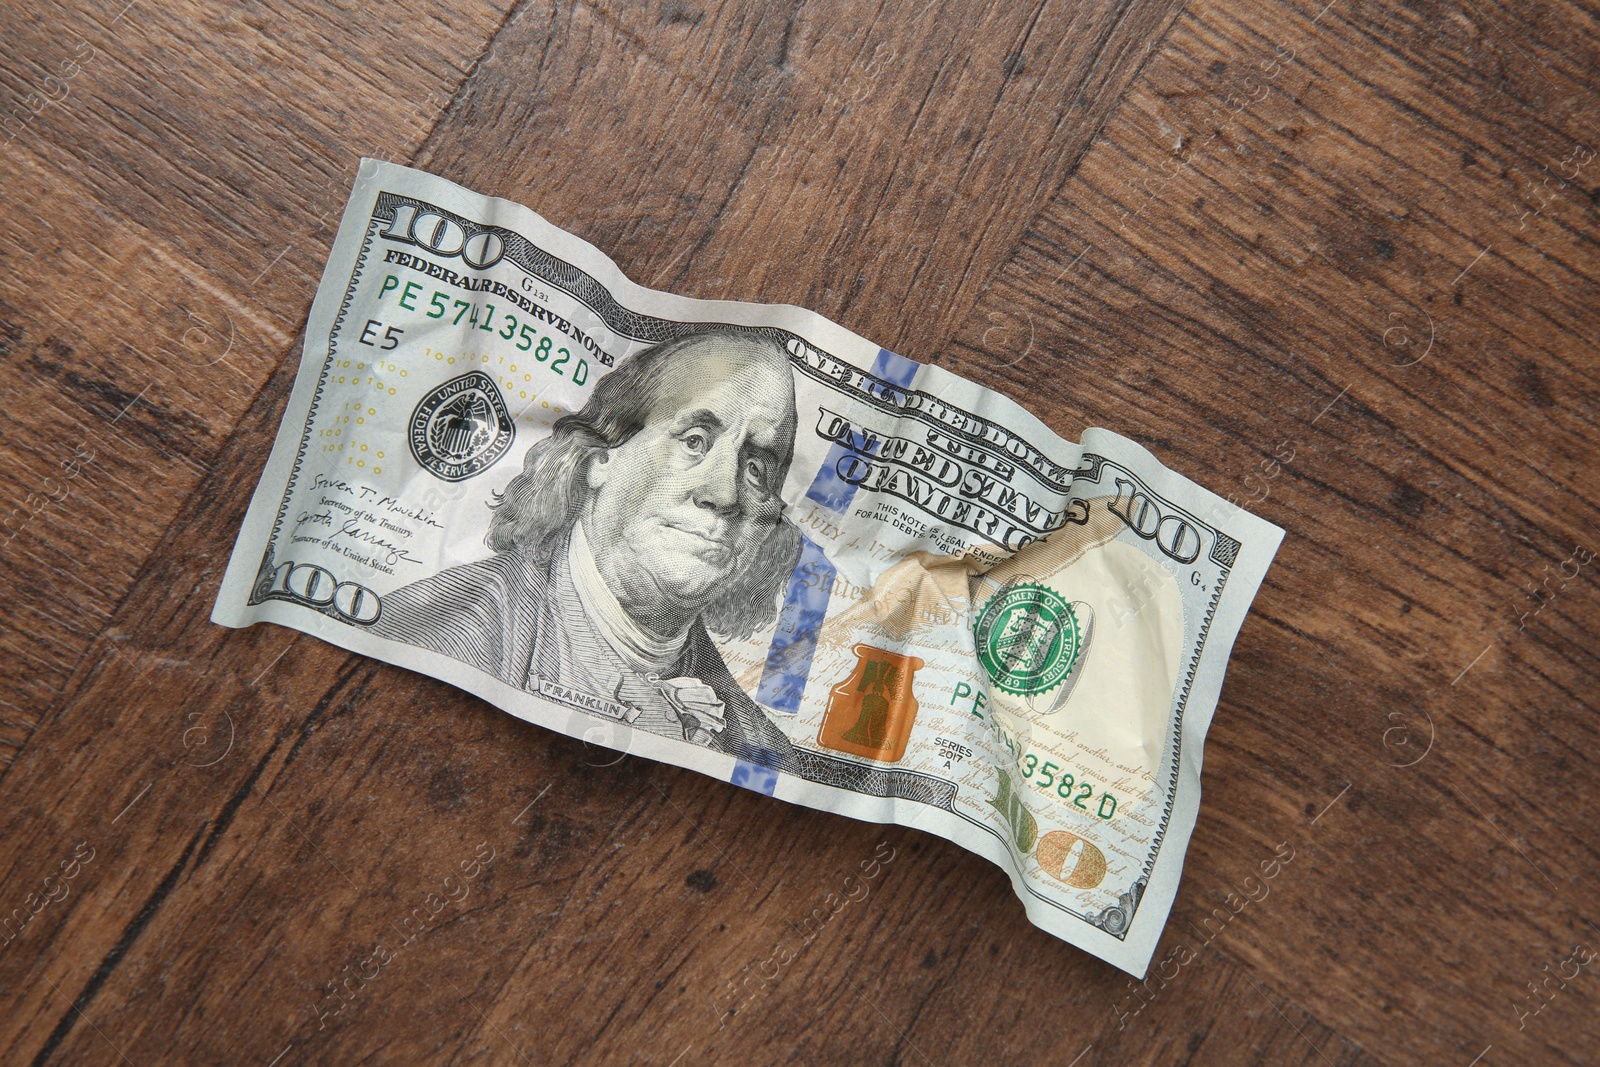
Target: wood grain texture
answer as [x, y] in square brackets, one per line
[1297, 252]
[1229, 233]
[849, 159]
[167, 216]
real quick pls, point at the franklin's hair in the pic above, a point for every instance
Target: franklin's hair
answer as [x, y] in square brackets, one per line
[536, 512]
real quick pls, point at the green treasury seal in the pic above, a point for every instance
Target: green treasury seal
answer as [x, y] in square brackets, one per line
[1028, 639]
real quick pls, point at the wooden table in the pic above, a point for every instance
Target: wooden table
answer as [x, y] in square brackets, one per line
[1336, 259]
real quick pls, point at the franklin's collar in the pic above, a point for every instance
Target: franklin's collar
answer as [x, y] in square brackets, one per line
[637, 646]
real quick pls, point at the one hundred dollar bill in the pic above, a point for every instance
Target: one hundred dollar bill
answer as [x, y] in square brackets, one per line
[741, 539]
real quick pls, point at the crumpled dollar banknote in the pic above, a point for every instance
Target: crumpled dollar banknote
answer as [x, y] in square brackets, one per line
[741, 539]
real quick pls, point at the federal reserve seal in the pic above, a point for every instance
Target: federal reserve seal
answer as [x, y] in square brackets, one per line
[461, 427]
[1029, 639]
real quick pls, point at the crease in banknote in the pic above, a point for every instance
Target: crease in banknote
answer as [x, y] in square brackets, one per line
[741, 539]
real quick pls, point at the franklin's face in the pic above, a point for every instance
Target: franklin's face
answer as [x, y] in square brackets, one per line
[682, 504]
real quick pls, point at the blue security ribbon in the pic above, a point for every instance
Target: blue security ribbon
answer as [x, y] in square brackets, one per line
[805, 604]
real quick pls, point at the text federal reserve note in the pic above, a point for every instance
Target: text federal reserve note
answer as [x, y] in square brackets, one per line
[741, 539]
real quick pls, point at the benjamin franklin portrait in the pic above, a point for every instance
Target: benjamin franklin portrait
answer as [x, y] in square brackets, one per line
[645, 523]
